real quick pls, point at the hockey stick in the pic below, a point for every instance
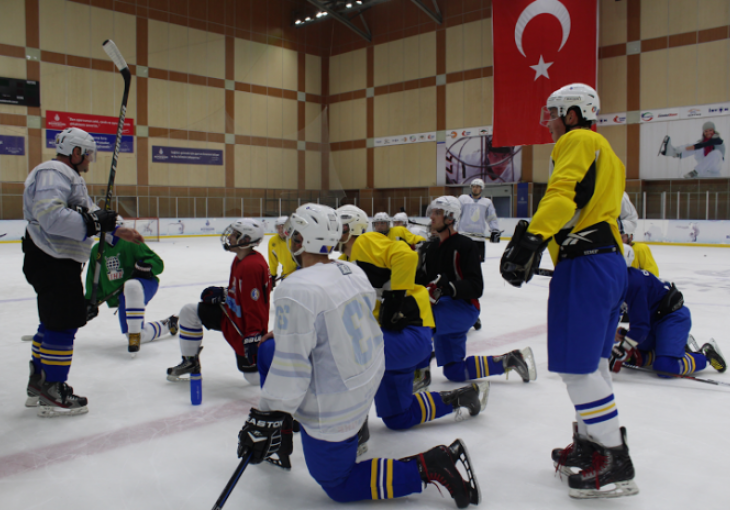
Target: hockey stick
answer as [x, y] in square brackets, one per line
[545, 272]
[232, 482]
[231, 319]
[111, 49]
[679, 376]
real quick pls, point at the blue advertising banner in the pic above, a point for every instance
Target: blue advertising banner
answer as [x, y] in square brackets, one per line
[186, 156]
[12, 145]
[104, 143]
[522, 198]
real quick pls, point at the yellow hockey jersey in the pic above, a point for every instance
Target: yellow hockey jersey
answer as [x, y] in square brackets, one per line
[403, 234]
[391, 265]
[279, 254]
[643, 259]
[585, 188]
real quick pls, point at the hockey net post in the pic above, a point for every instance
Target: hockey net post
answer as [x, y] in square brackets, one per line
[148, 227]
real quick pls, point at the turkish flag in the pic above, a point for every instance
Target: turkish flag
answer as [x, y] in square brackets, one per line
[539, 46]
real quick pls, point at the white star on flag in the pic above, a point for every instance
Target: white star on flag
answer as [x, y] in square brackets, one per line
[541, 69]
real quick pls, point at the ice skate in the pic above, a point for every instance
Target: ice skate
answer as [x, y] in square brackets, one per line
[58, 399]
[692, 345]
[34, 387]
[714, 356]
[691, 175]
[172, 324]
[522, 361]
[473, 397]
[575, 457]
[611, 474]
[188, 365]
[134, 340]
[667, 149]
[363, 436]
[478, 324]
[438, 465]
[421, 380]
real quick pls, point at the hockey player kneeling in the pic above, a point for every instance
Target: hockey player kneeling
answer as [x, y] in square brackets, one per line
[240, 311]
[326, 337]
[660, 326]
[128, 281]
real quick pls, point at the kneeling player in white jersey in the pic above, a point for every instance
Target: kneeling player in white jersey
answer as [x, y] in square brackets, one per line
[324, 367]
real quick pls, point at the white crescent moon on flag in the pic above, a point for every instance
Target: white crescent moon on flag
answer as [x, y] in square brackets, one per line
[537, 7]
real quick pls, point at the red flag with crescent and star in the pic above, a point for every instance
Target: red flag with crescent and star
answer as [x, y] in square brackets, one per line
[539, 46]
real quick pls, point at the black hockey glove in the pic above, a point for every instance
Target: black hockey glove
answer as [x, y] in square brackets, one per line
[495, 235]
[251, 348]
[98, 221]
[391, 316]
[441, 286]
[273, 281]
[91, 311]
[142, 270]
[521, 258]
[213, 295]
[261, 435]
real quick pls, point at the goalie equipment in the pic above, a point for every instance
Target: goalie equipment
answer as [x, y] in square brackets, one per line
[521, 361]
[438, 465]
[472, 397]
[261, 435]
[58, 399]
[521, 258]
[243, 233]
[714, 356]
[319, 227]
[575, 457]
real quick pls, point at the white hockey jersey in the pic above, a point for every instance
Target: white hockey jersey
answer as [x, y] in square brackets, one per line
[329, 357]
[629, 217]
[476, 214]
[52, 191]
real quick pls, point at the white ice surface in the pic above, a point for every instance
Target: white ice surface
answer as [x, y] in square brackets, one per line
[143, 446]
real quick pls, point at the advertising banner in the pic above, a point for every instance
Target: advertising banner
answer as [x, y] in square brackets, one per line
[89, 123]
[405, 139]
[104, 143]
[12, 145]
[186, 156]
[468, 154]
[612, 119]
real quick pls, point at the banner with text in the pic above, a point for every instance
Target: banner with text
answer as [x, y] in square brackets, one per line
[12, 145]
[104, 143]
[404, 139]
[89, 123]
[186, 156]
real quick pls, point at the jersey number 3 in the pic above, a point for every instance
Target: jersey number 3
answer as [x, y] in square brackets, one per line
[354, 314]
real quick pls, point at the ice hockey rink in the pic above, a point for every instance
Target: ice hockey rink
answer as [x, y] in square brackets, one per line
[144, 446]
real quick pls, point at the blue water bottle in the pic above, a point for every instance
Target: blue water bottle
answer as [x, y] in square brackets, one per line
[196, 389]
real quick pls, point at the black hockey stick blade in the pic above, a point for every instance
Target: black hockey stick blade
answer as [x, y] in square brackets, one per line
[232, 482]
[678, 376]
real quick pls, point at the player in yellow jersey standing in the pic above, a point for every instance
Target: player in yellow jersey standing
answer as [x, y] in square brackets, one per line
[279, 253]
[576, 219]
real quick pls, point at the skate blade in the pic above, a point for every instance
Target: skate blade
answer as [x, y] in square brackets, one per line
[530, 360]
[362, 449]
[462, 453]
[52, 412]
[612, 490]
[132, 355]
[565, 470]
[27, 338]
[177, 378]
[31, 402]
[484, 391]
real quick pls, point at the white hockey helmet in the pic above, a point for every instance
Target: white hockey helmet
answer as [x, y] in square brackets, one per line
[70, 138]
[381, 216]
[355, 218]
[319, 227]
[250, 233]
[449, 205]
[578, 95]
[401, 217]
[629, 255]
[281, 220]
[478, 182]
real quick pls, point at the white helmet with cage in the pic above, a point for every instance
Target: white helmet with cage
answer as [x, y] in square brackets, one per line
[478, 182]
[70, 138]
[249, 232]
[577, 95]
[401, 217]
[355, 218]
[381, 216]
[281, 220]
[449, 205]
[319, 227]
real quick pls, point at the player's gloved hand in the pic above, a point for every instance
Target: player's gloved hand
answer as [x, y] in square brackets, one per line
[98, 221]
[273, 281]
[91, 310]
[261, 434]
[142, 270]
[213, 295]
[251, 348]
[624, 349]
[391, 316]
[521, 258]
[495, 235]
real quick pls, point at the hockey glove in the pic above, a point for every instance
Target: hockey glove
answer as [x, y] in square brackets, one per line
[91, 311]
[521, 258]
[273, 281]
[624, 349]
[251, 348]
[99, 221]
[261, 435]
[391, 316]
[213, 295]
[441, 286]
[495, 235]
[142, 270]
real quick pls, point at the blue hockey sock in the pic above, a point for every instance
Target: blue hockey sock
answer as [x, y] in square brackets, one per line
[378, 479]
[36, 347]
[426, 406]
[56, 353]
[483, 366]
[686, 365]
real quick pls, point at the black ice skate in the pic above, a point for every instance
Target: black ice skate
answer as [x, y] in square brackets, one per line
[473, 397]
[478, 324]
[611, 474]
[58, 399]
[575, 457]
[421, 380]
[438, 465]
[363, 436]
[667, 149]
[714, 356]
[172, 324]
[34, 387]
[188, 365]
[521, 361]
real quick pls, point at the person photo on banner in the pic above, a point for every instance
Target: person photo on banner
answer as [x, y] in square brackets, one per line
[709, 151]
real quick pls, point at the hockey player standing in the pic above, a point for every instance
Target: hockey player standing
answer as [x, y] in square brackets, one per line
[327, 360]
[240, 311]
[478, 216]
[279, 253]
[132, 270]
[452, 273]
[62, 221]
[577, 216]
